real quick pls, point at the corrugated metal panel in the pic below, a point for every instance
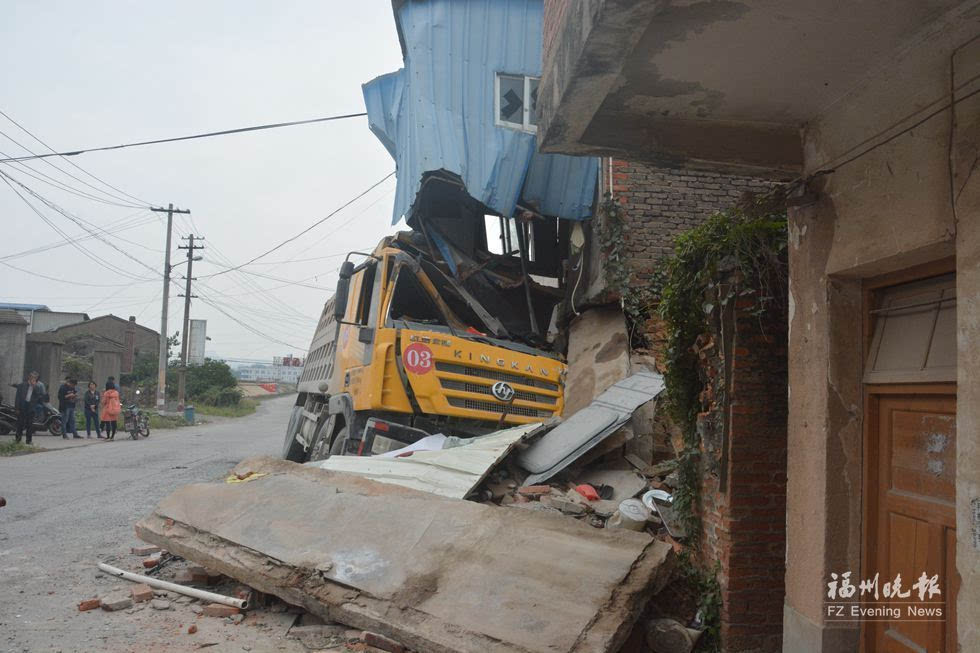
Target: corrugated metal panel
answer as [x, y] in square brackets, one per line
[450, 473]
[437, 113]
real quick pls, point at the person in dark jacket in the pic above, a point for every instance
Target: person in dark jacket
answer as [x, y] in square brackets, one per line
[92, 400]
[30, 394]
[67, 396]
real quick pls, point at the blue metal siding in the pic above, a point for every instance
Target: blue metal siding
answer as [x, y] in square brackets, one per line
[437, 113]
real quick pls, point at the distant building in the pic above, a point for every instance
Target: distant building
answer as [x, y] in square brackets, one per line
[285, 369]
[127, 337]
[40, 318]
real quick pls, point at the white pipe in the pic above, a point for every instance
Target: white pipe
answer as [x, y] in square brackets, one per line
[241, 604]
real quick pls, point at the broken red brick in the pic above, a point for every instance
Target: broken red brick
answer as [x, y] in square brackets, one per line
[151, 562]
[382, 642]
[191, 629]
[89, 604]
[141, 592]
[534, 490]
[144, 550]
[219, 610]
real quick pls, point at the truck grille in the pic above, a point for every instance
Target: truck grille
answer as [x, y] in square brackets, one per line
[523, 395]
[496, 375]
[491, 407]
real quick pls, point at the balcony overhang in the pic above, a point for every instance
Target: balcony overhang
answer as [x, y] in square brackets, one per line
[715, 84]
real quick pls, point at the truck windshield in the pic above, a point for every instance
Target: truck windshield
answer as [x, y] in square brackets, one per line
[410, 302]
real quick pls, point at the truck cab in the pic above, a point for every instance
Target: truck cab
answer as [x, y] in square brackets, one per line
[400, 352]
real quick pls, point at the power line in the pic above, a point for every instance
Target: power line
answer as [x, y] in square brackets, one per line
[118, 226]
[310, 228]
[79, 221]
[69, 282]
[224, 132]
[72, 163]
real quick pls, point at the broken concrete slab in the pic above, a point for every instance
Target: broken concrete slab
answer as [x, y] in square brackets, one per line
[459, 576]
[598, 356]
[578, 434]
[118, 600]
[453, 472]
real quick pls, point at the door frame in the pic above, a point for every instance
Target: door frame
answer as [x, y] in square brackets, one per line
[872, 394]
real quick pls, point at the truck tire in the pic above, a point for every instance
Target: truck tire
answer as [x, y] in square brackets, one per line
[292, 449]
[338, 447]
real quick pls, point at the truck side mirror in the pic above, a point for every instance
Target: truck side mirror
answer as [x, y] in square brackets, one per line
[343, 287]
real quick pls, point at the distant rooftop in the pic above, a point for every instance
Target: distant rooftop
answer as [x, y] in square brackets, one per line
[23, 307]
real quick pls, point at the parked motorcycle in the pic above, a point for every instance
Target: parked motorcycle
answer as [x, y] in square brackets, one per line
[46, 418]
[137, 422]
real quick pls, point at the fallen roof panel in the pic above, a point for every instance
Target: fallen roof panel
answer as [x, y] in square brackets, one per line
[437, 574]
[571, 439]
[452, 473]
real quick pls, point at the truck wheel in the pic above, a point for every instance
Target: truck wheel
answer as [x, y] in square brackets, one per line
[292, 449]
[339, 446]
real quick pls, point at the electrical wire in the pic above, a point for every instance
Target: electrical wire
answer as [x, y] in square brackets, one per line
[73, 164]
[224, 132]
[310, 228]
[74, 283]
[115, 227]
[80, 222]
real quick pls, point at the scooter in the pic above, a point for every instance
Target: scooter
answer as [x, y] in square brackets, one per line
[136, 421]
[46, 418]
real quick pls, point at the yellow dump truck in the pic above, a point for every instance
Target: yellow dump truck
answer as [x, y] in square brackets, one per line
[402, 350]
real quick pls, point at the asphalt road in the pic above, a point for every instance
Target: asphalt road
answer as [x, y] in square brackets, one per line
[69, 509]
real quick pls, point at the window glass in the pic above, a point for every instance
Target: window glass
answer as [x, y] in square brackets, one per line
[511, 99]
[364, 298]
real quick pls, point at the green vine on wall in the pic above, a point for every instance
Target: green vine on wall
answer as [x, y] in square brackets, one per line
[747, 244]
[637, 300]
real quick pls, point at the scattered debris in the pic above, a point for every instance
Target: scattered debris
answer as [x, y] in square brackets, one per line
[160, 604]
[141, 593]
[480, 593]
[89, 604]
[320, 637]
[118, 600]
[625, 483]
[191, 629]
[382, 642]
[219, 610]
[631, 515]
[173, 587]
[670, 636]
[146, 550]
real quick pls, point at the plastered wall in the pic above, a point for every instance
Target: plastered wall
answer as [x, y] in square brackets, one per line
[882, 203]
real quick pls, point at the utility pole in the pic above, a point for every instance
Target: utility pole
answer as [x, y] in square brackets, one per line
[162, 363]
[185, 332]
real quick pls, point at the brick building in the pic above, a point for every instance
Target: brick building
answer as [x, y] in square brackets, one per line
[131, 338]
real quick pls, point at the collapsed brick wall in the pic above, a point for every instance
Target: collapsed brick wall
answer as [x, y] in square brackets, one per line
[660, 204]
[743, 492]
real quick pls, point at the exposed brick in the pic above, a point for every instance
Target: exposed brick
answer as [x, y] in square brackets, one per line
[534, 490]
[141, 592]
[219, 610]
[149, 549]
[89, 604]
[382, 642]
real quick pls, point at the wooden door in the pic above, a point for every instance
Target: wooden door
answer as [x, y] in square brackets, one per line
[911, 521]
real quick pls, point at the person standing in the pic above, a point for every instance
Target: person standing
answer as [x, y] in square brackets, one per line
[111, 407]
[67, 395]
[30, 394]
[92, 399]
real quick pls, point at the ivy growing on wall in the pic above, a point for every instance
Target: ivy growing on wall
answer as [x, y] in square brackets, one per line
[737, 255]
[637, 300]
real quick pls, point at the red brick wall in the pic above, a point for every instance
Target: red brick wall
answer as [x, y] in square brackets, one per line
[744, 520]
[660, 204]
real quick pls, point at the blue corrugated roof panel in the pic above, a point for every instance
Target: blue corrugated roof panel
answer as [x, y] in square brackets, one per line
[24, 307]
[437, 113]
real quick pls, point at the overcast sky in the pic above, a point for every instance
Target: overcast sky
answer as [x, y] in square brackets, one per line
[94, 73]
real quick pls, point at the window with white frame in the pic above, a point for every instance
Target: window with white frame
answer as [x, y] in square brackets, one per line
[516, 102]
